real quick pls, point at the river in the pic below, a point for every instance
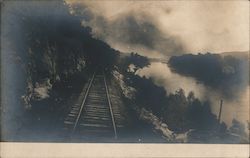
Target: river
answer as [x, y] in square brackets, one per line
[237, 107]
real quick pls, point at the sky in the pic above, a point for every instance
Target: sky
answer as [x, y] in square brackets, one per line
[163, 28]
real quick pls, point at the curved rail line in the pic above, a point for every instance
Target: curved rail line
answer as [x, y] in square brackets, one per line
[95, 110]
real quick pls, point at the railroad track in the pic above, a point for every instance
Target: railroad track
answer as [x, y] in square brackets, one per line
[95, 115]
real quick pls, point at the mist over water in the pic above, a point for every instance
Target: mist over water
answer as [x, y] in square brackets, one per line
[237, 107]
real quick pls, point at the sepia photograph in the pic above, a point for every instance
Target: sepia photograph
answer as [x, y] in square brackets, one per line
[140, 72]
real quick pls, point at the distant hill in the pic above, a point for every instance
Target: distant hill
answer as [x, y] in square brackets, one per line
[237, 54]
[221, 71]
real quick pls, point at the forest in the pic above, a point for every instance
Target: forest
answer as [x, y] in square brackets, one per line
[218, 71]
[183, 111]
[51, 56]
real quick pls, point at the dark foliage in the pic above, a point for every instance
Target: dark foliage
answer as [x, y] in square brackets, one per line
[237, 128]
[51, 45]
[148, 95]
[183, 113]
[45, 43]
[133, 58]
[207, 68]
[179, 111]
[55, 42]
[213, 70]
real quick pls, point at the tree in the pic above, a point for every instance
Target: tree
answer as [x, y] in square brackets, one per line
[237, 128]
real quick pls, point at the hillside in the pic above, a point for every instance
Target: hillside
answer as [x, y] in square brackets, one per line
[237, 54]
[222, 72]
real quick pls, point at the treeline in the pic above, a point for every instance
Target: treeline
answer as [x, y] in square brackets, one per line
[126, 60]
[220, 72]
[46, 56]
[51, 45]
[179, 110]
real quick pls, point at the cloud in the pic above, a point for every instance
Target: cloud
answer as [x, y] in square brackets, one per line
[139, 33]
[172, 81]
[132, 30]
[170, 27]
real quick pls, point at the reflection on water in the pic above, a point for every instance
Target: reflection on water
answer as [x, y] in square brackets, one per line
[237, 107]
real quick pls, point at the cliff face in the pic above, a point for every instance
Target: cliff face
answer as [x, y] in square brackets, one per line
[44, 49]
[49, 44]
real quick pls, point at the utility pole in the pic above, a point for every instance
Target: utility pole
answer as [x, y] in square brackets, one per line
[219, 117]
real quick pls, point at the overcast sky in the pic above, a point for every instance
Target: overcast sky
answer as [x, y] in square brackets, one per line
[158, 28]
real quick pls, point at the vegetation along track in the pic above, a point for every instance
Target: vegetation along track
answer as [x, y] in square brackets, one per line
[95, 116]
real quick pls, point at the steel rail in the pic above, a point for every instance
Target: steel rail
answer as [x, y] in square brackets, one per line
[83, 102]
[110, 107]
